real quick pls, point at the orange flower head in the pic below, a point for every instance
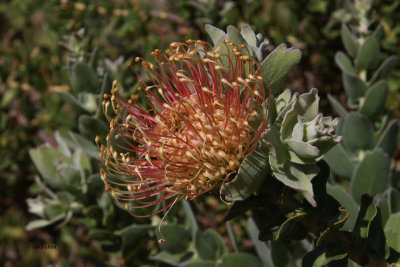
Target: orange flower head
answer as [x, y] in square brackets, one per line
[196, 130]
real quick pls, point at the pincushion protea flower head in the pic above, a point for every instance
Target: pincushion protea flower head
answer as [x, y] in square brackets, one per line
[197, 131]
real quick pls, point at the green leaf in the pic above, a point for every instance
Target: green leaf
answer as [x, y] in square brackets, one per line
[372, 175]
[296, 176]
[88, 146]
[250, 176]
[303, 149]
[339, 161]
[272, 139]
[392, 230]
[349, 41]
[347, 201]
[340, 110]
[54, 211]
[234, 36]
[90, 127]
[375, 99]
[64, 137]
[290, 227]
[379, 32]
[81, 161]
[358, 133]
[239, 260]
[290, 118]
[63, 145]
[344, 63]
[263, 251]
[89, 101]
[388, 139]
[134, 238]
[249, 35]
[210, 245]
[278, 63]
[368, 54]
[48, 160]
[215, 33]
[354, 87]
[388, 203]
[176, 238]
[36, 205]
[384, 69]
[83, 78]
[39, 224]
[310, 104]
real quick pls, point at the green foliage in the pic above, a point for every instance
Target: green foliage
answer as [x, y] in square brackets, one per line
[52, 93]
[392, 231]
[277, 64]
[249, 178]
[298, 137]
[375, 99]
[364, 158]
[210, 245]
[83, 78]
[371, 175]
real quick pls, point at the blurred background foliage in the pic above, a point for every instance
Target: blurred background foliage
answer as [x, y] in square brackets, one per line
[46, 44]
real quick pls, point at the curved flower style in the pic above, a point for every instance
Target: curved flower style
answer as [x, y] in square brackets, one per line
[197, 131]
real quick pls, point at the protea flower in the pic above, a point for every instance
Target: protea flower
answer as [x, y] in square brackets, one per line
[202, 120]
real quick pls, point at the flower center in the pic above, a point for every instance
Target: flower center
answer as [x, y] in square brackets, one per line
[201, 141]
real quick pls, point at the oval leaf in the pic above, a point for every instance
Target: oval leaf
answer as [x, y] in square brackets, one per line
[368, 54]
[375, 99]
[215, 33]
[278, 63]
[344, 63]
[177, 237]
[392, 230]
[83, 78]
[388, 140]
[384, 69]
[210, 245]
[340, 110]
[358, 133]
[372, 175]
[354, 87]
[349, 41]
[339, 161]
